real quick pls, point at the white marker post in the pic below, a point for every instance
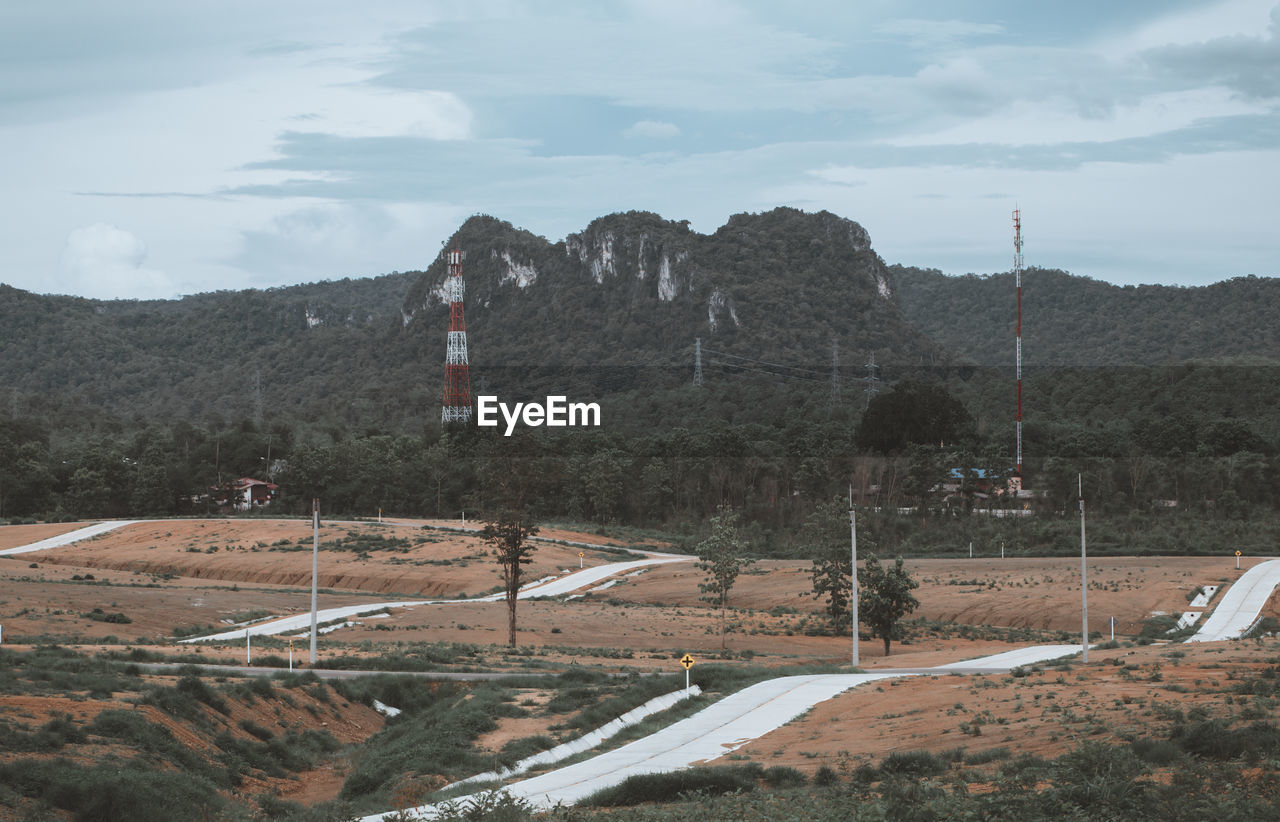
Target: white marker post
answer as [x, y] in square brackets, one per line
[315, 570]
[291, 655]
[1113, 629]
[971, 550]
[1237, 560]
[1084, 578]
[246, 645]
[580, 556]
[1002, 550]
[853, 576]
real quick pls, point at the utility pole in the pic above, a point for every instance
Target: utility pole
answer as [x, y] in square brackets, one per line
[315, 570]
[853, 576]
[697, 361]
[1084, 579]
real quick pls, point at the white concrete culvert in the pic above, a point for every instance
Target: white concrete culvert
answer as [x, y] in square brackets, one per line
[1239, 608]
[88, 532]
[588, 740]
[548, 587]
[717, 730]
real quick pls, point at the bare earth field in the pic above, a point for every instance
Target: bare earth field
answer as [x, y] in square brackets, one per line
[176, 574]
[1122, 694]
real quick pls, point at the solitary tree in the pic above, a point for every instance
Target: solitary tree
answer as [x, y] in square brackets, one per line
[884, 597]
[720, 557]
[509, 535]
[508, 473]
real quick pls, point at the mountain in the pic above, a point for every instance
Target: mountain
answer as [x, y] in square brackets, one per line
[611, 310]
[620, 303]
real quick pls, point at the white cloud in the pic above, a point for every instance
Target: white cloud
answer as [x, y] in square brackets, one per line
[653, 129]
[101, 260]
[935, 33]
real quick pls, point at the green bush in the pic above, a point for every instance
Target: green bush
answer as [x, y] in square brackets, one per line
[668, 787]
[782, 776]
[113, 792]
[913, 763]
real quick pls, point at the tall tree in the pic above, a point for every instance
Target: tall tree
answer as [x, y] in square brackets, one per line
[509, 535]
[720, 556]
[509, 471]
[884, 598]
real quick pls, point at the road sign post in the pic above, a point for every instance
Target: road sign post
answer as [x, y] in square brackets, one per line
[291, 655]
[1237, 560]
[581, 554]
[687, 662]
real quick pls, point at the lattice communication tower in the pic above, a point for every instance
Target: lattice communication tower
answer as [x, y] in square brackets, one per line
[457, 377]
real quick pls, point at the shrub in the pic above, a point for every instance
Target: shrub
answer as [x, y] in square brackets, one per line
[1155, 751]
[913, 763]
[781, 776]
[667, 787]
[825, 777]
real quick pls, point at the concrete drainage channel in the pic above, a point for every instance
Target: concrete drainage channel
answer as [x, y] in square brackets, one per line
[765, 706]
[729, 723]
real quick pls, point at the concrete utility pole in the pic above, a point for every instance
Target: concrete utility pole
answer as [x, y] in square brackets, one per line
[853, 576]
[1084, 579]
[315, 570]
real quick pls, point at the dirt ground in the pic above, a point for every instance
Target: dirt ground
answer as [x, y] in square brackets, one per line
[1121, 694]
[15, 536]
[190, 573]
[184, 574]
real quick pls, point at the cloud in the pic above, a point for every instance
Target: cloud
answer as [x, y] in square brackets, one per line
[101, 260]
[653, 129]
[343, 240]
[1249, 65]
[935, 33]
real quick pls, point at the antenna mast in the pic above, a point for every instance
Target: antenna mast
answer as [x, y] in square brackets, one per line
[697, 361]
[457, 375]
[1017, 278]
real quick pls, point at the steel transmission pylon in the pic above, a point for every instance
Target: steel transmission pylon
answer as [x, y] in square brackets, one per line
[457, 377]
[872, 380]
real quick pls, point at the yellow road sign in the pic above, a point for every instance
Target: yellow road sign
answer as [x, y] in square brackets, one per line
[1237, 553]
[686, 661]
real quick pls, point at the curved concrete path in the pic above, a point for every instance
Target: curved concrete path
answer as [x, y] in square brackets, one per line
[555, 587]
[1241, 604]
[87, 532]
[717, 730]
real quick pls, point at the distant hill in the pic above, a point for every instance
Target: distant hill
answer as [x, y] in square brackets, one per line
[1078, 321]
[611, 310]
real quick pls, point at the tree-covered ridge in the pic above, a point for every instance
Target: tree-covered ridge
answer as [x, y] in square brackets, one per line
[635, 289]
[1078, 321]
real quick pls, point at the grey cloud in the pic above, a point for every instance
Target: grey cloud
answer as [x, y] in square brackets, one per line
[1249, 65]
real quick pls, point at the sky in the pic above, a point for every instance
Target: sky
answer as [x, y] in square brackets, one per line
[153, 149]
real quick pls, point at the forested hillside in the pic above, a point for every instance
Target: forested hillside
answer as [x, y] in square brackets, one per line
[1077, 321]
[1167, 399]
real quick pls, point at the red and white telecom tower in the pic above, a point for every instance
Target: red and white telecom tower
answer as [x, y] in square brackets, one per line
[1017, 278]
[457, 377]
